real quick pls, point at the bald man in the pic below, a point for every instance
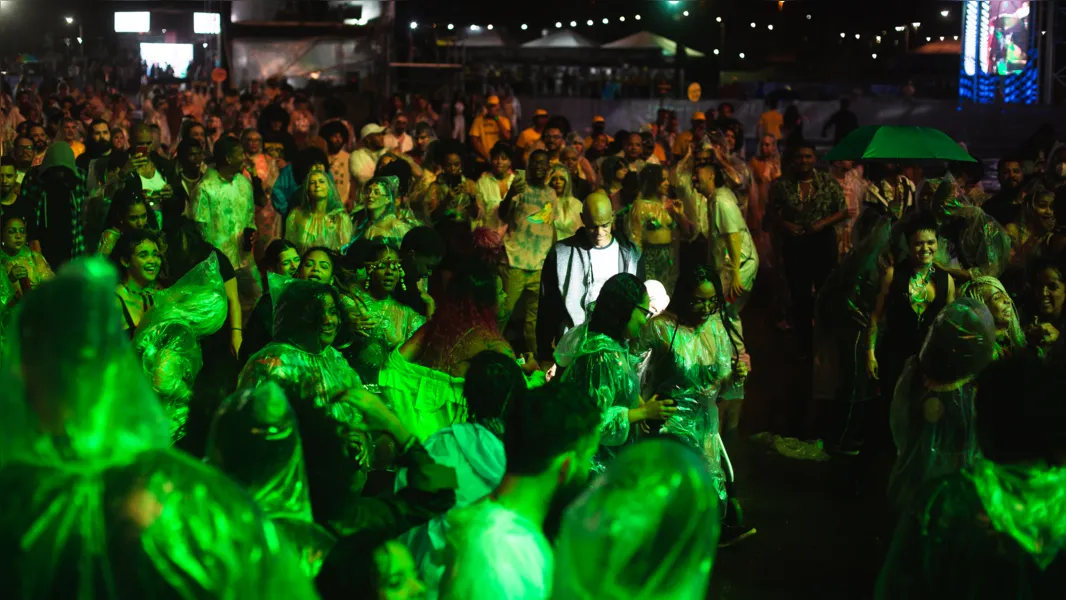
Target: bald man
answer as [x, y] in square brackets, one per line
[575, 271]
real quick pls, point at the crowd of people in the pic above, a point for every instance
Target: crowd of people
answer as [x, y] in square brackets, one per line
[253, 350]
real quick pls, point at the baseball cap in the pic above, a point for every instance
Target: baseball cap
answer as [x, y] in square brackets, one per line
[492, 100]
[698, 116]
[370, 129]
[540, 112]
[598, 119]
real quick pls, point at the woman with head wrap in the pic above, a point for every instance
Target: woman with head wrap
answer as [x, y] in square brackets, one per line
[932, 411]
[96, 505]
[566, 210]
[646, 529]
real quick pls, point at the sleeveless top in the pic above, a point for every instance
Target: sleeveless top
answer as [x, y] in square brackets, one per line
[904, 329]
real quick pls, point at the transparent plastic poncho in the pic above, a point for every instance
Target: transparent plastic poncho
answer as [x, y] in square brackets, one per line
[96, 505]
[296, 357]
[691, 366]
[646, 529]
[984, 289]
[167, 338]
[605, 369]
[992, 532]
[932, 414]
[255, 440]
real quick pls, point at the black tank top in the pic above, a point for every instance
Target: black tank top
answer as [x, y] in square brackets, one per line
[904, 329]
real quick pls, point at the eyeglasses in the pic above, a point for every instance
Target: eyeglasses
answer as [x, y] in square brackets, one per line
[647, 311]
[390, 265]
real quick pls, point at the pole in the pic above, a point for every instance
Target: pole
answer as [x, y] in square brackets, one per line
[1048, 52]
[390, 24]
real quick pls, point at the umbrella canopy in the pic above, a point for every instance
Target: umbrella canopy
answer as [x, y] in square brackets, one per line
[646, 40]
[888, 142]
[567, 38]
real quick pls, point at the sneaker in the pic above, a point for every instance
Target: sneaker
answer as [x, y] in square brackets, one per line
[734, 534]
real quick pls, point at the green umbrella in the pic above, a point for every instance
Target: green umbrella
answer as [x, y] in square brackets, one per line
[890, 142]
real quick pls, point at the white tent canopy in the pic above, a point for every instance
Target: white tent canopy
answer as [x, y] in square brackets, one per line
[482, 39]
[566, 38]
[646, 40]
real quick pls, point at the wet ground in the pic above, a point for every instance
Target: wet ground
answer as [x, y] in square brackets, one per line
[823, 527]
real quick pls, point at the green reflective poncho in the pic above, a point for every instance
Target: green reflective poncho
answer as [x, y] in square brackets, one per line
[95, 504]
[167, 338]
[646, 529]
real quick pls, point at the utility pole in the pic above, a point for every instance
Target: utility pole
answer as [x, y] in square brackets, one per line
[390, 25]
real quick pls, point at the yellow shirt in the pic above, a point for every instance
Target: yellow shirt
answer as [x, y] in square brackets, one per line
[527, 138]
[490, 130]
[681, 144]
[770, 123]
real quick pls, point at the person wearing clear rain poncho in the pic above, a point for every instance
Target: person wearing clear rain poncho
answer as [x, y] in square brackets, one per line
[384, 218]
[646, 529]
[96, 504]
[255, 440]
[167, 338]
[1009, 336]
[307, 319]
[600, 363]
[997, 529]
[696, 360]
[932, 416]
[320, 220]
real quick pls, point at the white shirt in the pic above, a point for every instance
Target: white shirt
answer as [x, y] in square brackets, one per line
[495, 554]
[362, 163]
[400, 143]
[489, 199]
[154, 183]
[604, 263]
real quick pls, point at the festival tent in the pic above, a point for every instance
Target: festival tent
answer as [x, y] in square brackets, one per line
[566, 38]
[646, 40]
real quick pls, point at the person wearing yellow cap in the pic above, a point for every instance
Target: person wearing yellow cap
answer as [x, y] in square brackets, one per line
[685, 138]
[531, 135]
[488, 129]
[599, 125]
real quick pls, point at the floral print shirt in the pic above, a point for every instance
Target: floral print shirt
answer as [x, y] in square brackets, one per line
[530, 234]
[224, 210]
[826, 198]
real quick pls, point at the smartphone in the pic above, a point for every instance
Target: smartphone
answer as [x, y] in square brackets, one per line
[246, 239]
[142, 150]
[519, 175]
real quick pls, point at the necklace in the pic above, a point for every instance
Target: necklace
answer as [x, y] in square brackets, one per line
[810, 190]
[918, 290]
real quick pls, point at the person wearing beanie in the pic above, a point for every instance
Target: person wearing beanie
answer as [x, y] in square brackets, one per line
[55, 192]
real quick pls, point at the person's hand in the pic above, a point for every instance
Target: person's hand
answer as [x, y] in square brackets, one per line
[675, 206]
[742, 368]
[792, 228]
[377, 416]
[518, 187]
[736, 288]
[166, 193]
[1042, 334]
[236, 338]
[817, 226]
[362, 322]
[529, 366]
[658, 410]
[551, 372]
[19, 272]
[871, 366]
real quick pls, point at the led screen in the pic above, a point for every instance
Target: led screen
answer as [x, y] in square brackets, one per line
[206, 23]
[133, 22]
[176, 55]
[1007, 37]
